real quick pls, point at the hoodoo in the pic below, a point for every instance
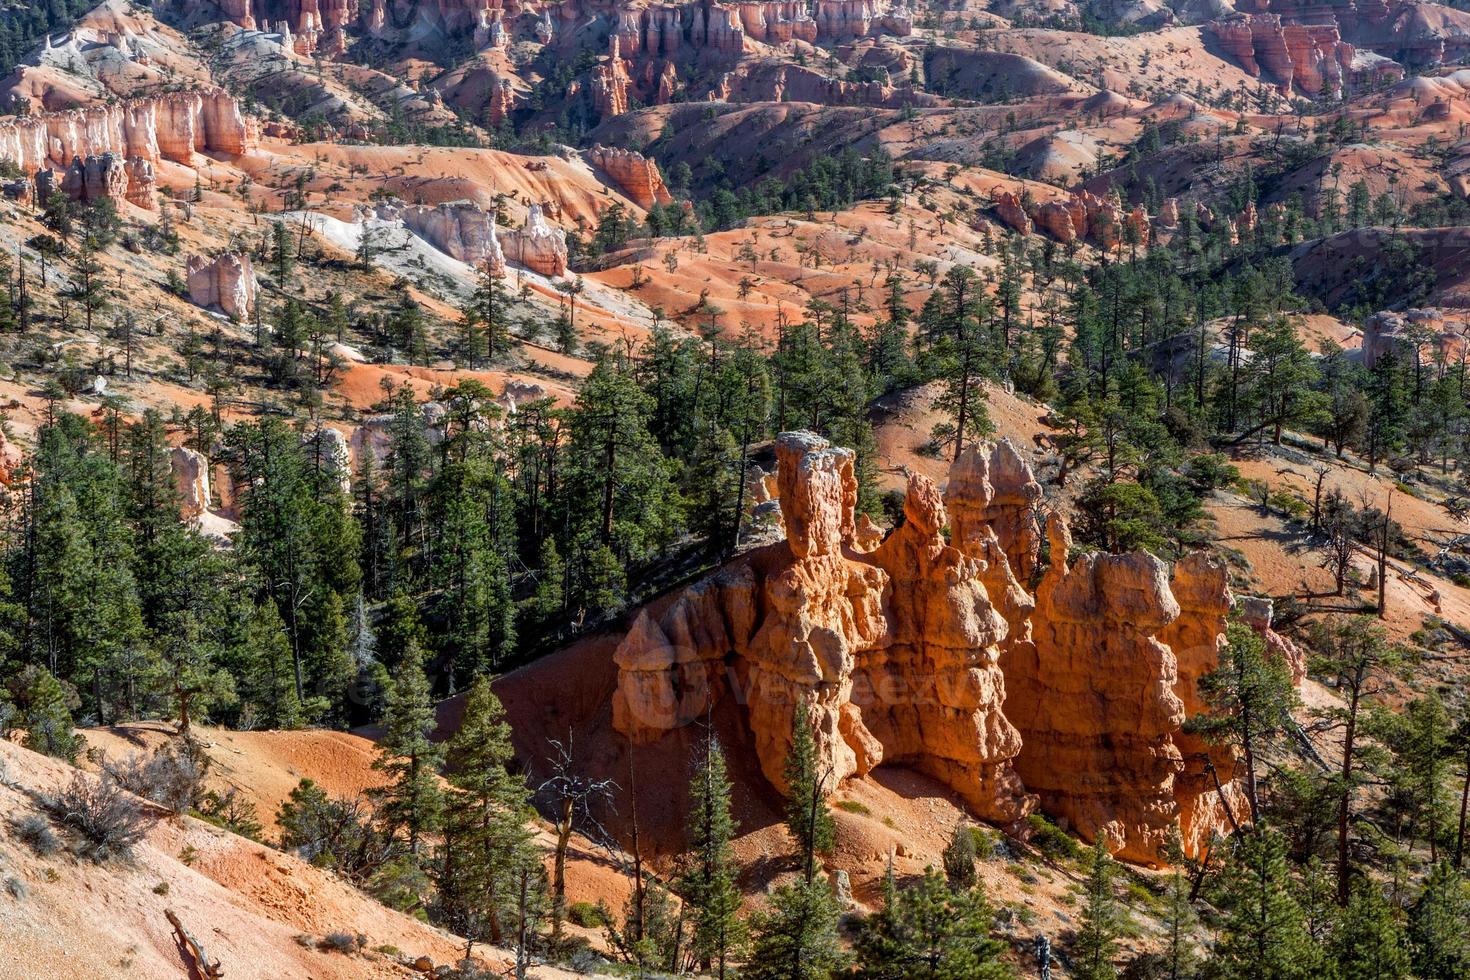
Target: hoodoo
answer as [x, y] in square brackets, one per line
[930, 653]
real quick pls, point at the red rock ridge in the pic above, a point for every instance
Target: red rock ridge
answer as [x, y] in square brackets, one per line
[633, 173]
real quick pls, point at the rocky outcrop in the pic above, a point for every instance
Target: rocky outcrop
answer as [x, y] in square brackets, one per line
[1008, 208]
[633, 173]
[1205, 785]
[1259, 613]
[928, 651]
[98, 178]
[610, 83]
[992, 489]
[1096, 709]
[1433, 334]
[894, 654]
[539, 245]
[191, 481]
[226, 283]
[944, 631]
[1310, 58]
[167, 127]
[460, 229]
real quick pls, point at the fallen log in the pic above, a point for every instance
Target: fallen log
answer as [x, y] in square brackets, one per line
[205, 968]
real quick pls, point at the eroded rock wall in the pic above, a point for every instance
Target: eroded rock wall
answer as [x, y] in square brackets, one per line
[929, 651]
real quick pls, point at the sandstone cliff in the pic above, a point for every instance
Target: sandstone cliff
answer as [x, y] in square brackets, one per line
[894, 653]
[167, 127]
[929, 652]
[633, 174]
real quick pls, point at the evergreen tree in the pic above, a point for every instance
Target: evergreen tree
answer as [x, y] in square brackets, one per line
[1368, 940]
[1250, 697]
[708, 885]
[931, 929]
[44, 713]
[411, 801]
[795, 937]
[1097, 936]
[487, 835]
[959, 857]
[807, 815]
[1263, 936]
[1439, 941]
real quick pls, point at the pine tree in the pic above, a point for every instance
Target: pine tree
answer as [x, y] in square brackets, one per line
[708, 886]
[1439, 941]
[411, 801]
[487, 836]
[45, 715]
[1368, 941]
[807, 816]
[796, 936]
[1097, 937]
[1264, 936]
[959, 857]
[931, 929]
[1250, 697]
[1180, 958]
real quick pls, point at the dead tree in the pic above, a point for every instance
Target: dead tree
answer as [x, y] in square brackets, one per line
[199, 962]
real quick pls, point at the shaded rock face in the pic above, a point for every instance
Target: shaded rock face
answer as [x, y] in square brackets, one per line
[1437, 333]
[1096, 707]
[226, 283]
[928, 651]
[105, 177]
[633, 173]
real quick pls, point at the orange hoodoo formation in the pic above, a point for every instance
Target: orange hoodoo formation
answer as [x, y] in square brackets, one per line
[929, 652]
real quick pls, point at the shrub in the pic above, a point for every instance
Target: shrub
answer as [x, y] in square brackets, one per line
[172, 777]
[17, 888]
[342, 942]
[853, 806]
[959, 857]
[1051, 840]
[34, 830]
[107, 820]
[586, 914]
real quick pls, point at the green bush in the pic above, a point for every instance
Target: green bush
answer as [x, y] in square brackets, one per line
[1051, 840]
[587, 915]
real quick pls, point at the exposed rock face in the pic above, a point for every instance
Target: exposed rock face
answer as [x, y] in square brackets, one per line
[610, 83]
[1055, 219]
[992, 487]
[191, 481]
[1435, 332]
[1097, 708]
[932, 654]
[167, 127]
[539, 245]
[226, 283]
[943, 629]
[1311, 58]
[1008, 206]
[1258, 612]
[96, 179]
[1200, 584]
[894, 654]
[460, 229]
[633, 173]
